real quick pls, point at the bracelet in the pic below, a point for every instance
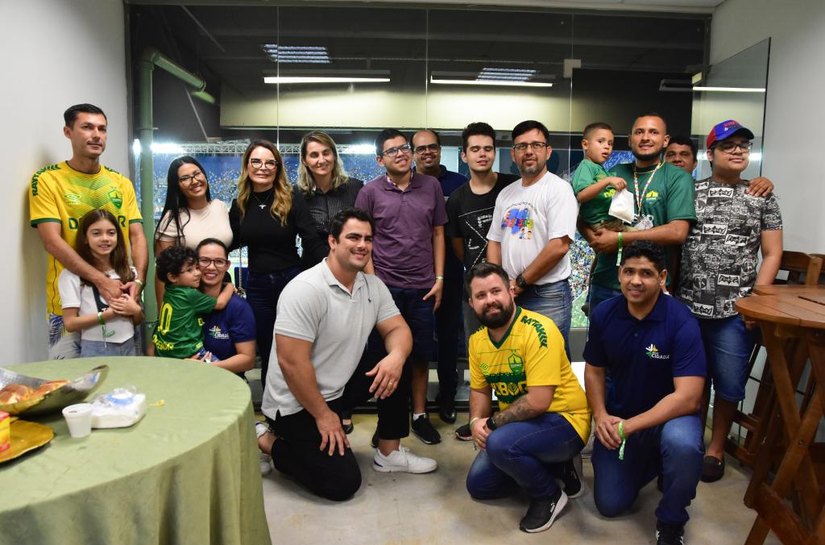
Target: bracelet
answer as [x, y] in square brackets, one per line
[100, 319]
[623, 438]
[619, 253]
[437, 277]
[473, 421]
[140, 283]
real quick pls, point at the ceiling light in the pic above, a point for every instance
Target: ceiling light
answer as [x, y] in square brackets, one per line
[326, 76]
[731, 89]
[506, 74]
[297, 54]
[500, 83]
[274, 80]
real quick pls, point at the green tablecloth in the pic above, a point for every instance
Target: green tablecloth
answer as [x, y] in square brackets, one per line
[187, 473]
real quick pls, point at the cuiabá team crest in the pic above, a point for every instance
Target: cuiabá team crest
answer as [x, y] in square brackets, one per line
[516, 363]
[116, 197]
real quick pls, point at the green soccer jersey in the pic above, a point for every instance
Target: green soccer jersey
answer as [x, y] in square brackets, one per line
[178, 333]
[595, 210]
[668, 196]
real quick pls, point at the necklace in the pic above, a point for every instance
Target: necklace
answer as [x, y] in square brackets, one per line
[262, 204]
[640, 195]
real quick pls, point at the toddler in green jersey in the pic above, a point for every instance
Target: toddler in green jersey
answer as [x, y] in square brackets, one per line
[593, 185]
[178, 333]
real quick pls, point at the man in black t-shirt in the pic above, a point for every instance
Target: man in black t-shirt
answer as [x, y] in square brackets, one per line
[470, 211]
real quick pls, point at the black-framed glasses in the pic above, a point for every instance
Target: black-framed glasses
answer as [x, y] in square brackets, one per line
[729, 147]
[536, 146]
[219, 263]
[392, 152]
[269, 163]
[427, 147]
[187, 178]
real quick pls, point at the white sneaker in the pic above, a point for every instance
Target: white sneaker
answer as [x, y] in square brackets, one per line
[402, 461]
[261, 428]
[266, 463]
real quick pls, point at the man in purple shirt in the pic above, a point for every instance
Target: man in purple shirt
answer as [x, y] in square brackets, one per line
[408, 255]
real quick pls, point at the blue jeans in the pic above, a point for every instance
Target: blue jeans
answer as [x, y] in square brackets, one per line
[674, 449]
[262, 293]
[599, 294]
[528, 454]
[728, 346]
[553, 300]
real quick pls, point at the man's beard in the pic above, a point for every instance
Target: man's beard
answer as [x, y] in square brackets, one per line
[500, 320]
[647, 157]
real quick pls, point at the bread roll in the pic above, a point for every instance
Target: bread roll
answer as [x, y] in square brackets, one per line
[14, 393]
[49, 387]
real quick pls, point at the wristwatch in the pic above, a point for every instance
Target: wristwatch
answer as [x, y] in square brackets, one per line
[521, 282]
[491, 424]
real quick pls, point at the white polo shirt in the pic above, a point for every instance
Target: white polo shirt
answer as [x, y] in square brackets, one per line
[316, 307]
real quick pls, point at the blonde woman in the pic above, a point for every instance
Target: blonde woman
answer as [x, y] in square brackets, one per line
[265, 217]
[322, 181]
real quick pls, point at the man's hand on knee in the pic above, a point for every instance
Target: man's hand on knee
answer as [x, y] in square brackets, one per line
[332, 433]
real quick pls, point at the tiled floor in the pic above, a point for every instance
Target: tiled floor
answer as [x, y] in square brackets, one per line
[435, 509]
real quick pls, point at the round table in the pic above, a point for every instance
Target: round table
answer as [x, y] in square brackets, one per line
[188, 472]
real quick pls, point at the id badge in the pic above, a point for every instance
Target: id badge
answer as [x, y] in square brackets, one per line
[644, 223]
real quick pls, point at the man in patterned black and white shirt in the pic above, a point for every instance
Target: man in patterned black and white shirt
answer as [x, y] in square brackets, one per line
[720, 264]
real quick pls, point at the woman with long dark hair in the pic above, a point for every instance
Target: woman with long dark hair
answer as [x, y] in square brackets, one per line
[189, 215]
[266, 217]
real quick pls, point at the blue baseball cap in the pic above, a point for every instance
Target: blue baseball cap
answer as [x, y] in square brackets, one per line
[726, 129]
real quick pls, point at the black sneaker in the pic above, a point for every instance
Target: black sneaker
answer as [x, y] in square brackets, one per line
[463, 433]
[570, 477]
[425, 431]
[670, 534]
[541, 513]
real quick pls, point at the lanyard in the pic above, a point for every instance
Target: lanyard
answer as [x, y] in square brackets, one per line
[641, 195]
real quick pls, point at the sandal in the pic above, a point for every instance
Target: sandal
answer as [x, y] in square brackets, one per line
[713, 469]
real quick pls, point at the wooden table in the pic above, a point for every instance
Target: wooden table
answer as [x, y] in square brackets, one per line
[792, 319]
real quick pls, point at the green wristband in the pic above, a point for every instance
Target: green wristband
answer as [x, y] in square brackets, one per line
[619, 252]
[623, 438]
[100, 319]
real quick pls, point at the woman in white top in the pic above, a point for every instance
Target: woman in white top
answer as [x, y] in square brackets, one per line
[190, 215]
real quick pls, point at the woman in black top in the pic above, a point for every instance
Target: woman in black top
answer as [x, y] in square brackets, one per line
[265, 218]
[322, 181]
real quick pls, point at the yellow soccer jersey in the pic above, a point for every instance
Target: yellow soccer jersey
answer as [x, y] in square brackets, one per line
[63, 195]
[530, 354]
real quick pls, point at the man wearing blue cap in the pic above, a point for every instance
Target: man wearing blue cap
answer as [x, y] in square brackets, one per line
[720, 264]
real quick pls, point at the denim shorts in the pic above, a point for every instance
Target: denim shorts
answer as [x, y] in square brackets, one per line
[419, 316]
[728, 346]
[89, 349]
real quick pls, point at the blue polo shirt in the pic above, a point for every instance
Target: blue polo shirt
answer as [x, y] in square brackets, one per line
[223, 328]
[642, 357]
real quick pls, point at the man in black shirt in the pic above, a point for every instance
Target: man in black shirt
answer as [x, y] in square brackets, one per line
[470, 211]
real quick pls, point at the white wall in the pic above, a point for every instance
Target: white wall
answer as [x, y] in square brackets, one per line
[55, 54]
[795, 111]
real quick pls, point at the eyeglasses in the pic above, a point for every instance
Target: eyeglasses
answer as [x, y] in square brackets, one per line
[729, 147]
[186, 179]
[428, 147]
[257, 163]
[537, 146]
[219, 263]
[392, 152]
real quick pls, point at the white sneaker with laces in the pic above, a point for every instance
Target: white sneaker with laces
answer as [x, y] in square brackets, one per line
[402, 461]
[265, 459]
[266, 463]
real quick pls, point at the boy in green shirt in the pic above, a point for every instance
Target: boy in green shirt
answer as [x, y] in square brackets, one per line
[178, 333]
[593, 185]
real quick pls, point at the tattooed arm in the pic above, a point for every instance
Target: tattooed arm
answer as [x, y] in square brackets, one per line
[532, 404]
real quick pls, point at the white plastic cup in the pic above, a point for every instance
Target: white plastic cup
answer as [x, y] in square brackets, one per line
[79, 419]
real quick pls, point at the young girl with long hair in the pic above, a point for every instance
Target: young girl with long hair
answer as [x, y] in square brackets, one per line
[107, 328]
